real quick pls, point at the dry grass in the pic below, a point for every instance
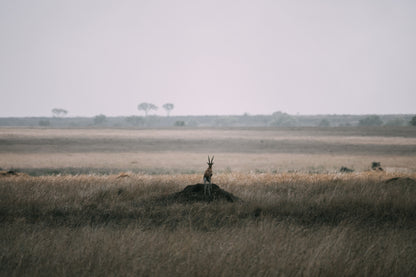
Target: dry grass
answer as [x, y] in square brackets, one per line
[185, 162]
[117, 221]
[184, 151]
[287, 224]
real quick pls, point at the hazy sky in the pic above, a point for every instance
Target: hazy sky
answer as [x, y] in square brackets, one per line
[207, 57]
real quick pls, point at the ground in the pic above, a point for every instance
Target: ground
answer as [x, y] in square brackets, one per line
[129, 202]
[277, 150]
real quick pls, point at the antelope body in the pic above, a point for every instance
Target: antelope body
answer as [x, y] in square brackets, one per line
[207, 177]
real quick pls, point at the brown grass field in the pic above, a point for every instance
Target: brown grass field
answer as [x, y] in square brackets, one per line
[298, 216]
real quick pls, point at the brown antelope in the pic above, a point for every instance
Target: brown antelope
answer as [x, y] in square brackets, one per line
[207, 177]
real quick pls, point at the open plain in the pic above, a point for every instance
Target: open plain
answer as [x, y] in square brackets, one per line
[94, 202]
[281, 150]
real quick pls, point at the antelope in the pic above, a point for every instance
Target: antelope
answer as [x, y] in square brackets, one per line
[207, 177]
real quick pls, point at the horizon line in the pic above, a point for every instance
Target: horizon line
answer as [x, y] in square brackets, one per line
[193, 115]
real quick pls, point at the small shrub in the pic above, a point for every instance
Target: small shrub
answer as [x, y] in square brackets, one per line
[413, 121]
[180, 123]
[99, 119]
[324, 123]
[396, 122]
[44, 123]
[372, 120]
[135, 120]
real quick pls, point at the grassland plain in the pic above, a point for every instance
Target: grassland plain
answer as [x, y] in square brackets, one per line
[297, 217]
[184, 150]
[360, 224]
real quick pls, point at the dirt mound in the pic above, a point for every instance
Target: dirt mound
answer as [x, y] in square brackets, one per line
[195, 193]
[401, 181]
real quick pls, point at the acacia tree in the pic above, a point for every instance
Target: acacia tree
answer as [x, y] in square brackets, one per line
[146, 107]
[168, 107]
[59, 112]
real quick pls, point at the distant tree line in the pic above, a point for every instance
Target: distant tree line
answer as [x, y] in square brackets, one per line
[277, 119]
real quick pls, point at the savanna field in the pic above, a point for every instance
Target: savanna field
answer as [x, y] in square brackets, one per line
[98, 202]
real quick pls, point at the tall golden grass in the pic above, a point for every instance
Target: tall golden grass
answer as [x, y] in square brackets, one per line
[295, 224]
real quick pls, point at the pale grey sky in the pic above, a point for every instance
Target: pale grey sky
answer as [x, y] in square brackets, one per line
[207, 57]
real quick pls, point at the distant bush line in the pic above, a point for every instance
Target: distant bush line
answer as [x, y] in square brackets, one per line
[277, 119]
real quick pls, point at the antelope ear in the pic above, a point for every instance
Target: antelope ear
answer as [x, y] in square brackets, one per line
[212, 159]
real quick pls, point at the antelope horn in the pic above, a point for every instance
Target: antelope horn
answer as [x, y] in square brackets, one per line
[212, 159]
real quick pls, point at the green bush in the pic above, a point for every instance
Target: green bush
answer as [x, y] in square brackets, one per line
[372, 120]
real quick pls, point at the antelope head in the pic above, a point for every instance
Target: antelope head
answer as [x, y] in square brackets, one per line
[210, 162]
